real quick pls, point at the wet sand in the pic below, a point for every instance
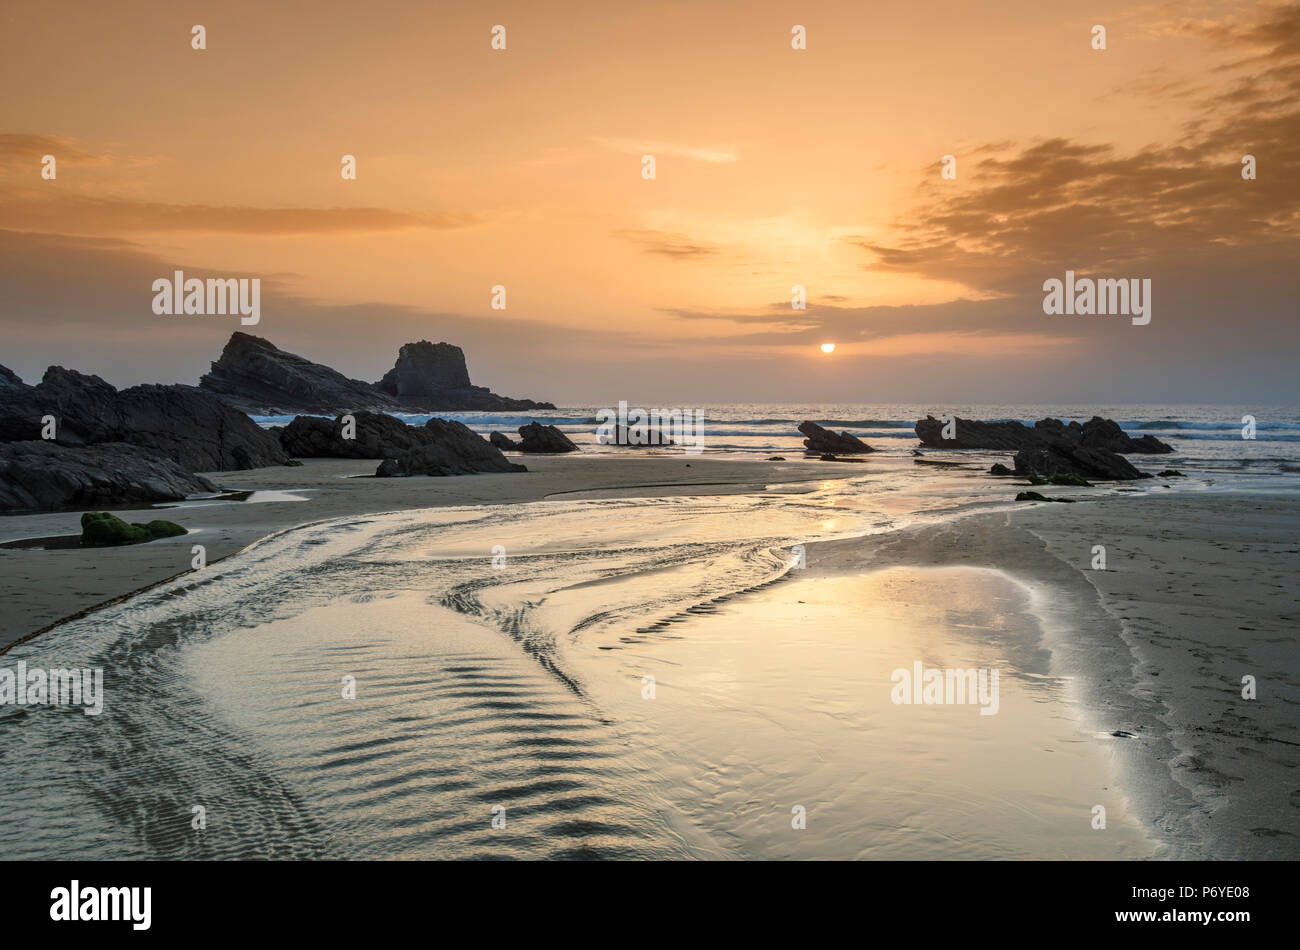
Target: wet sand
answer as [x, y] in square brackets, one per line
[41, 587]
[1123, 690]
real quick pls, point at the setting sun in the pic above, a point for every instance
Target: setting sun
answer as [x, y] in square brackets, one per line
[828, 347]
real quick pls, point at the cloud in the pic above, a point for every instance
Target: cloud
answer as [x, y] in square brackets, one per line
[1029, 210]
[36, 209]
[715, 155]
[20, 151]
[667, 244]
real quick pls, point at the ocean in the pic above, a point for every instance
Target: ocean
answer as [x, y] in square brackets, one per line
[1207, 439]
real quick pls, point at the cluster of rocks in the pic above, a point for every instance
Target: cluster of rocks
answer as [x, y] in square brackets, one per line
[439, 447]
[1050, 448]
[256, 376]
[73, 441]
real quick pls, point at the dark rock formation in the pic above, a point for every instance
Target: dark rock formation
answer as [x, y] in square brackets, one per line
[503, 442]
[536, 437]
[258, 377]
[1096, 433]
[377, 437]
[451, 448]
[47, 476]
[999, 469]
[827, 442]
[192, 428]
[433, 376]
[8, 378]
[1035, 496]
[1063, 458]
[425, 368]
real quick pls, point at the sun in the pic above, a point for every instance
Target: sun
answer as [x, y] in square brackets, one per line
[828, 347]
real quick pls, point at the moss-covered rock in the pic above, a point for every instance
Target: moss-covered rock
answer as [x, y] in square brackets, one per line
[164, 529]
[293, 463]
[101, 529]
[1069, 478]
[1035, 496]
[999, 469]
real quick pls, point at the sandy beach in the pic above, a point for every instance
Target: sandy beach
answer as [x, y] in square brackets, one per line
[1122, 686]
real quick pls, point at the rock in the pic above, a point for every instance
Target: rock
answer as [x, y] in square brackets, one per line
[47, 476]
[1096, 433]
[503, 442]
[538, 438]
[451, 448]
[1034, 496]
[999, 469]
[1170, 473]
[434, 377]
[425, 368]
[9, 379]
[101, 529]
[972, 434]
[377, 436]
[776, 458]
[824, 441]
[1063, 458]
[258, 377]
[1099, 433]
[192, 428]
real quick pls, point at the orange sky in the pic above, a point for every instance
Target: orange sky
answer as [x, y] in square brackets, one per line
[775, 167]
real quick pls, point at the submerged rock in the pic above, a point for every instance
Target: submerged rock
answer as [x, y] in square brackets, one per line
[824, 441]
[1035, 496]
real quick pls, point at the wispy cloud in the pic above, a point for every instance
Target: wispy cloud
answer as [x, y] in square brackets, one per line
[666, 243]
[714, 154]
[39, 210]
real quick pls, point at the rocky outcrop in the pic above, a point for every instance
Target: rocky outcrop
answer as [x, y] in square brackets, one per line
[1096, 433]
[1064, 458]
[193, 429]
[503, 442]
[973, 434]
[9, 379]
[449, 448]
[826, 442]
[541, 439]
[425, 368]
[47, 476]
[377, 436]
[258, 377]
[433, 376]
